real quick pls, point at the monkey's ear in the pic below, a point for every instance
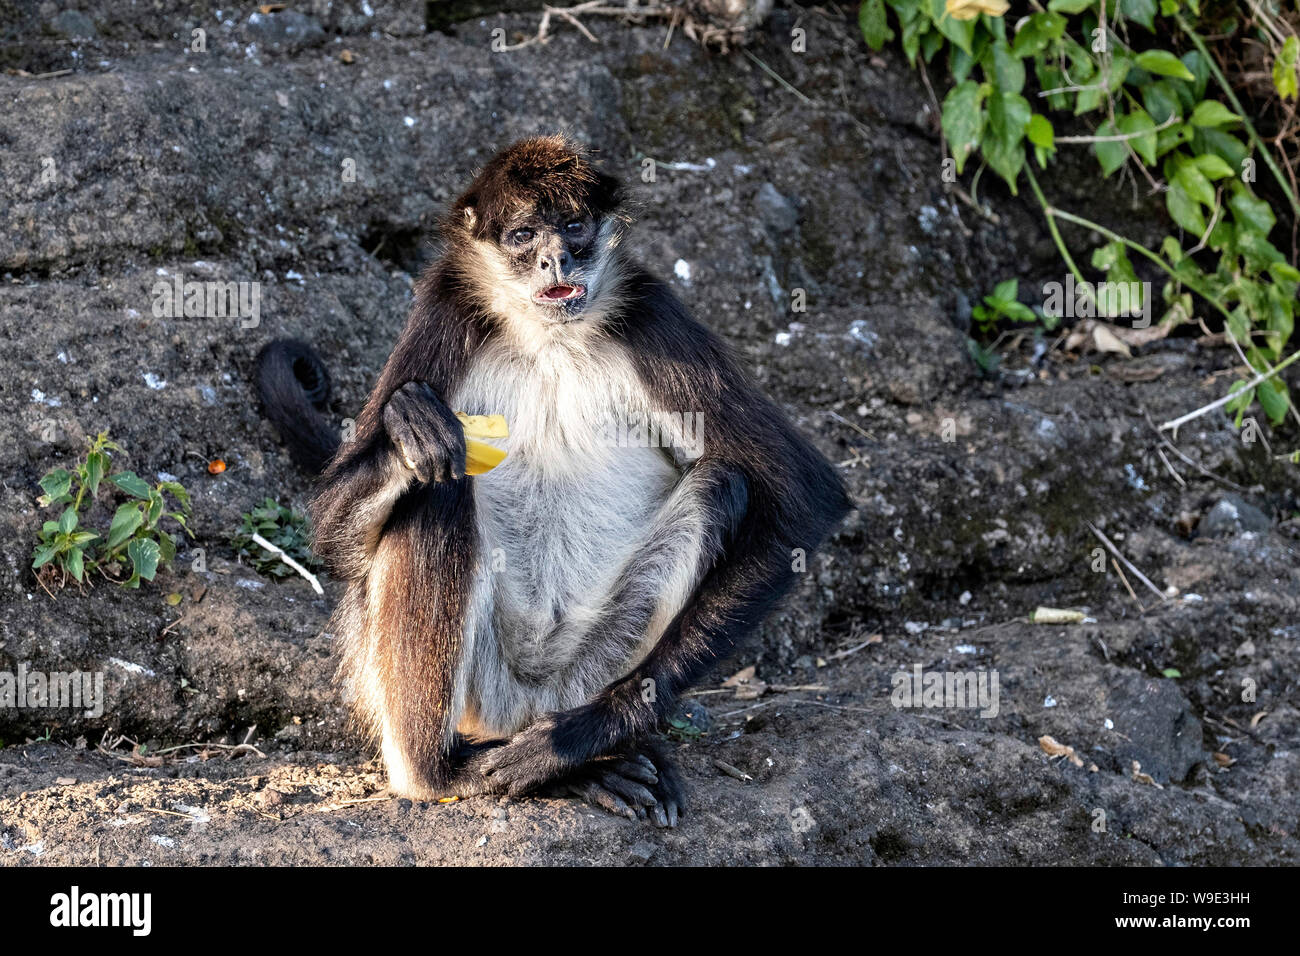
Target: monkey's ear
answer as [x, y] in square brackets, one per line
[470, 217]
[607, 194]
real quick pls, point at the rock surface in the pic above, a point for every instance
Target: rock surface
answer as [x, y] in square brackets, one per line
[282, 164]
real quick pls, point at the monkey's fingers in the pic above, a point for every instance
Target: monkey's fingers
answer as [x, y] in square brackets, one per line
[409, 461]
[629, 790]
[637, 768]
[593, 793]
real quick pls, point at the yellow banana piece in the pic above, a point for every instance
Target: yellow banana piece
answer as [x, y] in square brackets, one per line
[480, 457]
[484, 426]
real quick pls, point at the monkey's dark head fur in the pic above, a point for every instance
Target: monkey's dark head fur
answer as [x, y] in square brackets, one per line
[550, 174]
[536, 231]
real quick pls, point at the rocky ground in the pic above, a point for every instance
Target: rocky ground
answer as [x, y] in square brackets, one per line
[974, 491]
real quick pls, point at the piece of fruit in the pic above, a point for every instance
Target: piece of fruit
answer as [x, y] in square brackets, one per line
[484, 426]
[479, 457]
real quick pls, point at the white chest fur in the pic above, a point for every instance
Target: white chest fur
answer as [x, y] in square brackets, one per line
[567, 510]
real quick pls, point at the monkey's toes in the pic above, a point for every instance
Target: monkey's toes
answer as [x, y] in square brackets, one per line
[607, 785]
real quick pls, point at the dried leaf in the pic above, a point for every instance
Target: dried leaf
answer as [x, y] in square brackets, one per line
[1053, 748]
[1137, 373]
[1254, 721]
[1052, 615]
[741, 676]
[1141, 777]
[1223, 760]
[1135, 337]
[1105, 340]
[748, 687]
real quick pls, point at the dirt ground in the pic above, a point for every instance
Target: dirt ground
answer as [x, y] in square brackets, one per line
[974, 491]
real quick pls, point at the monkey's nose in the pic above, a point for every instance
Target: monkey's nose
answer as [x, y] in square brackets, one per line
[563, 261]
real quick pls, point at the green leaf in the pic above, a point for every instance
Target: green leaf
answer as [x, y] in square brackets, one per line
[1164, 63]
[155, 509]
[1122, 293]
[1009, 114]
[959, 32]
[1213, 113]
[930, 44]
[67, 520]
[1040, 132]
[144, 555]
[132, 484]
[1008, 70]
[1051, 78]
[1258, 252]
[1184, 210]
[1171, 672]
[963, 120]
[96, 467]
[1284, 69]
[872, 22]
[1222, 144]
[1194, 182]
[1212, 166]
[913, 30]
[43, 554]
[166, 547]
[1139, 11]
[1139, 121]
[55, 485]
[76, 563]
[1200, 69]
[1036, 33]
[1283, 272]
[1253, 212]
[1070, 6]
[1110, 154]
[177, 491]
[1161, 101]
[127, 518]
[1273, 398]
[1006, 291]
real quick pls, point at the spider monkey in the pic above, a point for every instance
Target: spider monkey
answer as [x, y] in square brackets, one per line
[532, 626]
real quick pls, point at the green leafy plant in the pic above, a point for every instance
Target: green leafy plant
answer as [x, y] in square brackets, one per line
[1172, 117]
[1003, 303]
[66, 548]
[284, 528]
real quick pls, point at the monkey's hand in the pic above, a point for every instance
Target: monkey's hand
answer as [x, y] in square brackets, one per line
[426, 434]
[530, 760]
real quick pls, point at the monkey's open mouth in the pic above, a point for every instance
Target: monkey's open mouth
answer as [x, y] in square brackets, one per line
[561, 293]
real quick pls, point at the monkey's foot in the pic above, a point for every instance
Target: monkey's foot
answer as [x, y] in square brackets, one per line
[642, 785]
[623, 786]
[670, 790]
[532, 760]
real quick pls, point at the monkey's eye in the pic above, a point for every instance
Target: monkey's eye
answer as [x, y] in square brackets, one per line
[522, 236]
[574, 228]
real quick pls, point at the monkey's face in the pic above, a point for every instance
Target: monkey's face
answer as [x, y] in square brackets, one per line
[553, 256]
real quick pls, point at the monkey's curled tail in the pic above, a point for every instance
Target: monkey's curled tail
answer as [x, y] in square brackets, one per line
[294, 387]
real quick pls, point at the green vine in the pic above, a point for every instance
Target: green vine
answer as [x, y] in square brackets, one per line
[1172, 117]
